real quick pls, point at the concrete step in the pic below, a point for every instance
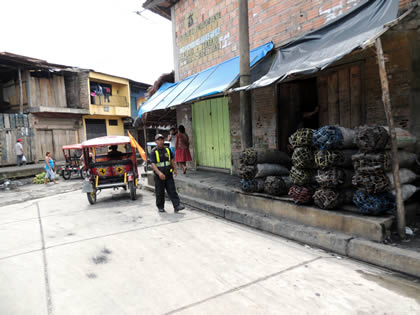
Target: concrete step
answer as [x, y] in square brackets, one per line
[336, 242]
[346, 222]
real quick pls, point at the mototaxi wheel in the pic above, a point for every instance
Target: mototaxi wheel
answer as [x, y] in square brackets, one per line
[66, 174]
[91, 197]
[82, 173]
[133, 190]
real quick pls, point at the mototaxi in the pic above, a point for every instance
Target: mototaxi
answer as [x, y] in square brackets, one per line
[105, 171]
[72, 154]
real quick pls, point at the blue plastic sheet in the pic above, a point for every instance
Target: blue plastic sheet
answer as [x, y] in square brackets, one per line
[208, 82]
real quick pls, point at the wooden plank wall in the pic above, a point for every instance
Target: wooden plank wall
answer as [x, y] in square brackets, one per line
[11, 94]
[13, 126]
[53, 133]
[48, 91]
[44, 92]
[340, 97]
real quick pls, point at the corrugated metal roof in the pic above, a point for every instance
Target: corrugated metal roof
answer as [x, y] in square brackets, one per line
[14, 59]
[211, 81]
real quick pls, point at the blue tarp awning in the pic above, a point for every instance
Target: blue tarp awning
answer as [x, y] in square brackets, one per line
[208, 82]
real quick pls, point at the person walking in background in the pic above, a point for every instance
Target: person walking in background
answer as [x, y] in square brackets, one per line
[49, 169]
[172, 140]
[20, 158]
[182, 151]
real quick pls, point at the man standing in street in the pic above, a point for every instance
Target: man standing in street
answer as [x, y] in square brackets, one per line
[20, 159]
[163, 164]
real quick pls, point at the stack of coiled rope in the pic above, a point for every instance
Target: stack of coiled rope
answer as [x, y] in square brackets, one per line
[303, 169]
[258, 165]
[330, 160]
[370, 164]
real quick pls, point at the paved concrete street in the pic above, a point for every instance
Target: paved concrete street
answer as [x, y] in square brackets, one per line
[60, 255]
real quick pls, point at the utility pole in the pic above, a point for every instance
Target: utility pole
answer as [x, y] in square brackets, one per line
[244, 76]
[394, 149]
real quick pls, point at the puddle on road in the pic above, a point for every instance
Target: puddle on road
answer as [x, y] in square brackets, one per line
[395, 283]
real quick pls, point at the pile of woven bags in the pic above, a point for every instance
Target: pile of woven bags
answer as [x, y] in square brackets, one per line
[328, 170]
[333, 146]
[263, 170]
[303, 169]
[372, 166]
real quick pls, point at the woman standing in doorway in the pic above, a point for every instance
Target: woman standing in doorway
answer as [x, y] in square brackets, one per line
[182, 151]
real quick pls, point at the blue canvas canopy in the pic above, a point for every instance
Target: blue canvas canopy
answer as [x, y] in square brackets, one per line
[211, 81]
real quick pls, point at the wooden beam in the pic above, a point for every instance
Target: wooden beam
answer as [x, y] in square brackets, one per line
[28, 88]
[394, 149]
[20, 91]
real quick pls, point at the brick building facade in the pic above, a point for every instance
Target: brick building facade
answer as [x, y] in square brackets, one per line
[206, 34]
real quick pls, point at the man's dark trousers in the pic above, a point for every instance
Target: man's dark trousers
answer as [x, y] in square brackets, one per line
[160, 186]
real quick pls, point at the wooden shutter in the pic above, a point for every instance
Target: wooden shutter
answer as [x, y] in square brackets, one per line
[340, 97]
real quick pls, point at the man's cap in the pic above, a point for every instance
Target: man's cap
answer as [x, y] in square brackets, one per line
[159, 136]
[19, 140]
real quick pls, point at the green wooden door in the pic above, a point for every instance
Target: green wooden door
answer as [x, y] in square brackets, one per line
[212, 133]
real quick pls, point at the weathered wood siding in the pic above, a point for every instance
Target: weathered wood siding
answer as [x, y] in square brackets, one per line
[52, 133]
[48, 91]
[43, 92]
[340, 97]
[12, 127]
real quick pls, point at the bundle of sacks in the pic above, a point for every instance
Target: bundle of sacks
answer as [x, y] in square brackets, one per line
[303, 169]
[264, 171]
[372, 165]
[333, 146]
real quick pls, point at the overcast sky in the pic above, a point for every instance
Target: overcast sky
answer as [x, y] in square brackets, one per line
[103, 35]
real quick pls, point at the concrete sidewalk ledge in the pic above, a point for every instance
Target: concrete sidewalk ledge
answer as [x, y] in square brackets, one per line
[29, 170]
[336, 242]
[387, 256]
[371, 228]
[22, 172]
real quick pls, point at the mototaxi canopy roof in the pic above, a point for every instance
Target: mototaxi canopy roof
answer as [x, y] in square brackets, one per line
[77, 146]
[106, 141]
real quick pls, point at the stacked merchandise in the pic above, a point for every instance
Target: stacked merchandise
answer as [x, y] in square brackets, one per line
[370, 164]
[330, 159]
[262, 170]
[302, 172]
[408, 163]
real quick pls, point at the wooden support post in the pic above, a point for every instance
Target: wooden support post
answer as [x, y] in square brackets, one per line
[28, 88]
[145, 136]
[244, 76]
[20, 91]
[388, 112]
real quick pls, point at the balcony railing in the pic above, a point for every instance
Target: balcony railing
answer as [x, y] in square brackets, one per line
[111, 100]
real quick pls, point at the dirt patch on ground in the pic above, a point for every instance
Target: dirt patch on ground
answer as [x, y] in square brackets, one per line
[102, 257]
[91, 275]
